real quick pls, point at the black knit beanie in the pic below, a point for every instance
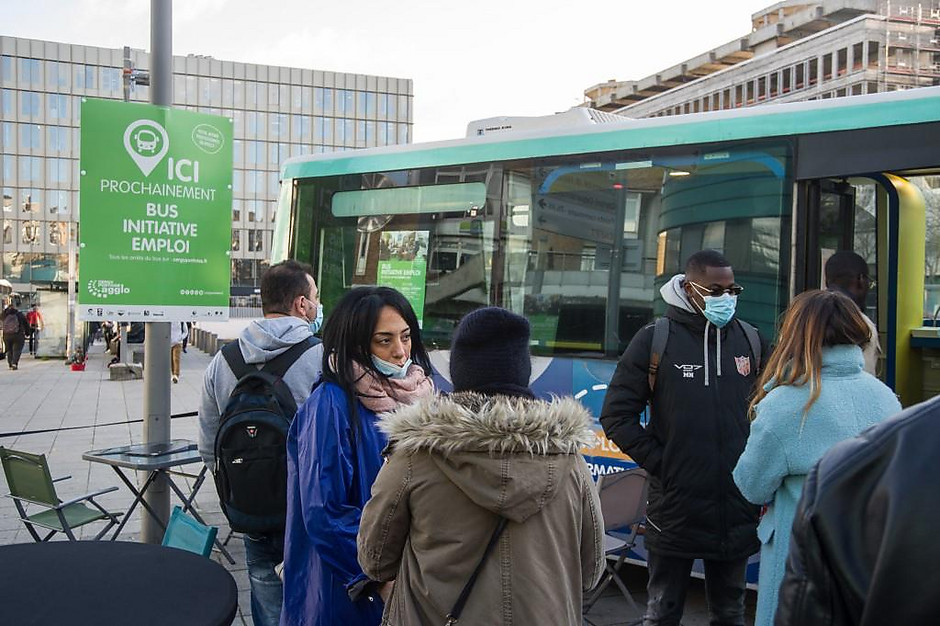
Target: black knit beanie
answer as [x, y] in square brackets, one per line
[490, 353]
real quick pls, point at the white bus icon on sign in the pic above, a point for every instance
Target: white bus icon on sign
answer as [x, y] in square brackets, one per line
[146, 141]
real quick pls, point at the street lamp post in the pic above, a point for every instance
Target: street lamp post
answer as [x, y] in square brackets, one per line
[156, 427]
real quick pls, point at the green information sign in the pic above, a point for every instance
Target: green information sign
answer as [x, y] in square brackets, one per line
[403, 263]
[156, 210]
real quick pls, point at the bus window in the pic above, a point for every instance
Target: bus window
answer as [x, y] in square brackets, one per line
[930, 188]
[570, 228]
[427, 241]
[737, 203]
[865, 243]
[579, 245]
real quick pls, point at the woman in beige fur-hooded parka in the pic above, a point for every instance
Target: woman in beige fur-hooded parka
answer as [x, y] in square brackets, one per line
[456, 463]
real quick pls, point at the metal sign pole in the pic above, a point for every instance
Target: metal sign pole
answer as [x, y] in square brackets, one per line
[127, 74]
[70, 339]
[157, 338]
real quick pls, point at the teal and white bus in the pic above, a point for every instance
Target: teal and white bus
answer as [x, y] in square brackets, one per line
[576, 227]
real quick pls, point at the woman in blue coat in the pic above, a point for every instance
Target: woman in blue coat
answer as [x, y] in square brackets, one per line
[373, 361]
[813, 393]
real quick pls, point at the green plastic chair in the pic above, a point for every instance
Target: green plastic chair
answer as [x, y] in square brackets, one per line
[188, 534]
[31, 484]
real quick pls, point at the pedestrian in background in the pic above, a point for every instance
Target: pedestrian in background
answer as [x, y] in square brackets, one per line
[489, 456]
[14, 327]
[109, 333]
[178, 334]
[373, 362]
[34, 324]
[847, 272]
[813, 393]
[91, 331]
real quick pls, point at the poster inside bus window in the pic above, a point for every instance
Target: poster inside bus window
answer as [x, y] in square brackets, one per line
[403, 262]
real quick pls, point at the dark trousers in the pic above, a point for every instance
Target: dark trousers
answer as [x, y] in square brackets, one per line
[33, 340]
[669, 581]
[14, 347]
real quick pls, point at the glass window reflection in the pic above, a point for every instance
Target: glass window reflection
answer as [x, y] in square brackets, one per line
[6, 70]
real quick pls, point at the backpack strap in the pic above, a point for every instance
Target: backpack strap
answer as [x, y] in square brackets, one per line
[236, 362]
[754, 340]
[279, 365]
[657, 348]
[272, 372]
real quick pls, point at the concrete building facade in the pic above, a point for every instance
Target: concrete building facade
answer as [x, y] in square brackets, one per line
[797, 50]
[278, 112]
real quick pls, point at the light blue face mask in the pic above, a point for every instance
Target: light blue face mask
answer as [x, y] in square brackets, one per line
[390, 369]
[720, 309]
[317, 321]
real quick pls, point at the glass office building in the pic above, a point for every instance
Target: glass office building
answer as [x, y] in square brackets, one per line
[278, 112]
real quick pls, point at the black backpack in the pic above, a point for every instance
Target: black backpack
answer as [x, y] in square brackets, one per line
[251, 444]
[11, 323]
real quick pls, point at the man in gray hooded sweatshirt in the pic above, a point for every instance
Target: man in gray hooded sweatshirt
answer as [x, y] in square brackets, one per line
[292, 312]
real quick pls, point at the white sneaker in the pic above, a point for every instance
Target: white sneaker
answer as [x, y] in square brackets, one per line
[176, 379]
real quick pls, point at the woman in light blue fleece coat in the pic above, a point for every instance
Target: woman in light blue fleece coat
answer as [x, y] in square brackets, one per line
[813, 393]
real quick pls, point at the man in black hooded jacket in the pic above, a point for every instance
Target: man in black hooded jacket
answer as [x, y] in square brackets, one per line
[697, 430]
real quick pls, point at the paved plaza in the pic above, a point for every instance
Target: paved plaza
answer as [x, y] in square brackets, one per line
[66, 413]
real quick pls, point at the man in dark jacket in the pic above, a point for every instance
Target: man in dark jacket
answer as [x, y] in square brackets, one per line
[847, 272]
[14, 334]
[697, 430]
[864, 546]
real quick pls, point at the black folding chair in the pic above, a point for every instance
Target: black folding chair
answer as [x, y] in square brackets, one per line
[623, 504]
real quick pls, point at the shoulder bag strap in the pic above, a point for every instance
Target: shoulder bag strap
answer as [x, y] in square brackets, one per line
[455, 612]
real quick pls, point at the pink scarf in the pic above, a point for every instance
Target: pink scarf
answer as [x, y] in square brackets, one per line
[382, 394]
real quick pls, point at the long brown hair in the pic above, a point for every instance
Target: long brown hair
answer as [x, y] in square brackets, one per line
[814, 320]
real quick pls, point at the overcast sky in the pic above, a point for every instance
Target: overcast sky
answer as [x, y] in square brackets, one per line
[468, 60]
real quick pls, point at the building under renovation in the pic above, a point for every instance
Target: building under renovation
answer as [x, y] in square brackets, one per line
[797, 50]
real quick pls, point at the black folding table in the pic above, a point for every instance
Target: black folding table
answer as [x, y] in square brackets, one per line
[157, 459]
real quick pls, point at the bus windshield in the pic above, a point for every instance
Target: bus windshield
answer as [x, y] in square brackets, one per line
[579, 245]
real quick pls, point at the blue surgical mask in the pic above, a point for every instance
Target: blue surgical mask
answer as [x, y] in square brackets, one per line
[720, 309]
[390, 369]
[317, 321]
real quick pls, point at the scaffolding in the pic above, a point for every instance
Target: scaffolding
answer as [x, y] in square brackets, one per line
[912, 45]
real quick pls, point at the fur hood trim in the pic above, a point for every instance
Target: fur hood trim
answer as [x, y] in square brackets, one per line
[465, 422]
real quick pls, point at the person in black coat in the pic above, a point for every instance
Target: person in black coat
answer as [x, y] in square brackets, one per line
[14, 334]
[864, 547]
[697, 431]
